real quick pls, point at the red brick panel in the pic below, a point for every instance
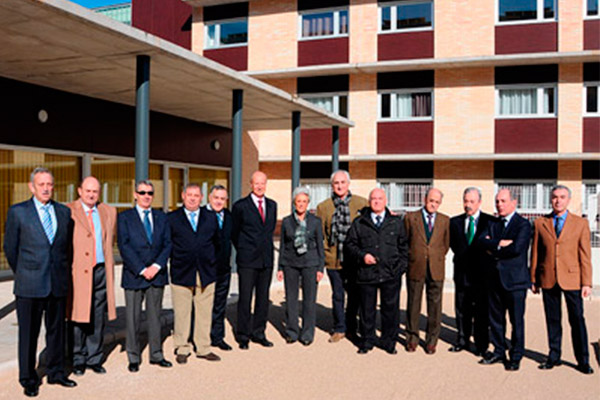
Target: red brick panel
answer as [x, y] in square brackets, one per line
[404, 46]
[405, 137]
[591, 34]
[168, 19]
[591, 135]
[323, 51]
[233, 57]
[526, 135]
[318, 141]
[526, 38]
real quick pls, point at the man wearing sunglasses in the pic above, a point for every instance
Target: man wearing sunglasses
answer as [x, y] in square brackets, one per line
[144, 240]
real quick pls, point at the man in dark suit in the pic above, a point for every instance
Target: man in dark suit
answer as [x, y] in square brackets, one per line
[561, 265]
[39, 248]
[470, 265]
[193, 273]
[254, 219]
[217, 199]
[144, 240]
[507, 241]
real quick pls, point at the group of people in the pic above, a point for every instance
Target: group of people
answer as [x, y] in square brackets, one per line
[62, 259]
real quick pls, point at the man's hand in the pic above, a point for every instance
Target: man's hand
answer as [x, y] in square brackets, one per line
[505, 242]
[279, 276]
[535, 289]
[370, 260]
[319, 276]
[150, 272]
[586, 291]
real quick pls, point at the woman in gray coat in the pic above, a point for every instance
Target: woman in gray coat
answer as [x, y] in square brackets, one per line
[301, 257]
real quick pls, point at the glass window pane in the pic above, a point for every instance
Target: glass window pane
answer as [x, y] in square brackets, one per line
[518, 101]
[591, 99]
[343, 108]
[421, 104]
[592, 7]
[234, 32]
[413, 15]
[386, 18]
[207, 178]
[323, 102]
[549, 8]
[549, 101]
[515, 10]
[343, 22]
[320, 24]
[404, 105]
[212, 36]
[386, 105]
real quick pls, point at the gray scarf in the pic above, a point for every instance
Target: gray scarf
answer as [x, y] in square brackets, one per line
[300, 243]
[340, 223]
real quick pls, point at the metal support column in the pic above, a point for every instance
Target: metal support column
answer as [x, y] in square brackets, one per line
[86, 165]
[142, 117]
[335, 148]
[166, 191]
[236, 148]
[295, 149]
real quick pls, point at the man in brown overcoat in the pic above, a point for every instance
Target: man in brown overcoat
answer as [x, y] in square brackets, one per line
[92, 292]
[429, 240]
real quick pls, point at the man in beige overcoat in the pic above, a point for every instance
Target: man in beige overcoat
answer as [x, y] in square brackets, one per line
[429, 240]
[92, 292]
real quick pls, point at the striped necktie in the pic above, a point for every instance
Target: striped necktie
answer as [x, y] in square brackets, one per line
[148, 225]
[47, 223]
[220, 219]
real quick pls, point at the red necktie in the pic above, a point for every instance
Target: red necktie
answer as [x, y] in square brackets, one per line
[260, 210]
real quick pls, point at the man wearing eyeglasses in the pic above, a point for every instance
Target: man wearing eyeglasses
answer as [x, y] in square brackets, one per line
[144, 241]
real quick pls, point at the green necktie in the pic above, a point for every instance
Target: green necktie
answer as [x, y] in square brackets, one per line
[471, 229]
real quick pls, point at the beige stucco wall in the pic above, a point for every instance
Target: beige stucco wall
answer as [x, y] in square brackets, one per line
[570, 108]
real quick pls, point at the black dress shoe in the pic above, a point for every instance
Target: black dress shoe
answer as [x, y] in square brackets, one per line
[289, 340]
[244, 345]
[222, 345]
[456, 348]
[97, 368]
[305, 342]
[492, 359]
[363, 350]
[549, 364]
[162, 363]
[210, 357]
[62, 381]
[391, 351]
[133, 367]
[31, 390]
[79, 369]
[512, 365]
[263, 342]
[585, 369]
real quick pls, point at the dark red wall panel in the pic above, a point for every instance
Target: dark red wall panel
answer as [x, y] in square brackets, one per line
[527, 38]
[591, 135]
[526, 135]
[168, 19]
[318, 141]
[404, 46]
[323, 51]
[591, 34]
[233, 57]
[405, 137]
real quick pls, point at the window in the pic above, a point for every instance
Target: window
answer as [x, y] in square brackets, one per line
[526, 10]
[319, 190]
[406, 15]
[408, 104]
[406, 196]
[533, 199]
[321, 23]
[591, 8]
[524, 100]
[334, 103]
[226, 33]
[590, 96]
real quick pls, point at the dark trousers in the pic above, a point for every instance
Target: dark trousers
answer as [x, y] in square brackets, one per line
[342, 284]
[88, 338]
[133, 312]
[471, 310]
[29, 317]
[259, 281]
[292, 277]
[552, 309]
[217, 329]
[434, 310]
[501, 301]
[389, 293]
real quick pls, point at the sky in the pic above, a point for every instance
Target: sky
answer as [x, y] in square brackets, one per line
[98, 3]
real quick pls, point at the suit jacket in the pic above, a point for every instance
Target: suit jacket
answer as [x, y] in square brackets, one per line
[471, 261]
[40, 268]
[138, 253]
[325, 211]
[421, 252]
[84, 245]
[223, 249]
[314, 257]
[252, 238]
[565, 260]
[193, 252]
[510, 262]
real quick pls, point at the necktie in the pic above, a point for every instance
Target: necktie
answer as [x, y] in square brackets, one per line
[261, 211]
[557, 227]
[91, 222]
[430, 222]
[220, 219]
[148, 225]
[193, 221]
[471, 229]
[47, 223]
[378, 221]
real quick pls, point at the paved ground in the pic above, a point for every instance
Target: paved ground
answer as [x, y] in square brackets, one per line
[321, 371]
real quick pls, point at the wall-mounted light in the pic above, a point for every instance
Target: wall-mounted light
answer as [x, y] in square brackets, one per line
[215, 145]
[43, 116]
